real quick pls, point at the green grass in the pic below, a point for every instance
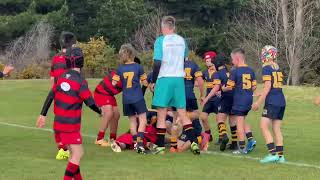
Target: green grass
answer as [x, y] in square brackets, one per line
[30, 154]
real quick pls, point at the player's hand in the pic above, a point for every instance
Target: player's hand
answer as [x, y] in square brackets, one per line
[152, 86]
[257, 94]
[224, 88]
[41, 121]
[204, 102]
[7, 69]
[255, 106]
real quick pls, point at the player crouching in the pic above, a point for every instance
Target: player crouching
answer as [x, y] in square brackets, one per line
[70, 91]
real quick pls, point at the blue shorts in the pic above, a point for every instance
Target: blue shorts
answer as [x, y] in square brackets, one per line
[211, 107]
[191, 105]
[135, 108]
[273, 112]
[226, 105]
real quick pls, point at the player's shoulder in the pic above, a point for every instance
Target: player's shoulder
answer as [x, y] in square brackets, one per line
[159, 39]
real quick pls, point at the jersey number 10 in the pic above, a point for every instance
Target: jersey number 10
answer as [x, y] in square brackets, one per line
[129, 77]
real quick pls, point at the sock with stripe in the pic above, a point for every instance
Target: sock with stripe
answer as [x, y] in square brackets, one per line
[77, 175]
[220, 133]
[209, 132]
[222, 129]
[271, 148]
[242, 145]
[197, 129]
[173, 142]
[140, 138]
[249, 136]
[279, 151]
[161, 132]
[234, 137]
[70, 171]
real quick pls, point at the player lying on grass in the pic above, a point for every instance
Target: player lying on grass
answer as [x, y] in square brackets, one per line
[224, 110]
[70, 91]
[6, 71]
[125, 141]
[243, 81]
[192, 74]
[58, 67]
[212, 104]
[130, 74]
[274, 105]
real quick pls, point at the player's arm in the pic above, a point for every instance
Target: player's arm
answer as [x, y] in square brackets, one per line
[115, 79]
[46, 105]
[86, 96]
[212, 93]
[157, 59]
[230, 83]
[266, 89]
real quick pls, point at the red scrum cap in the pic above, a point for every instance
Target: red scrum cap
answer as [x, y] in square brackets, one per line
[209, 55]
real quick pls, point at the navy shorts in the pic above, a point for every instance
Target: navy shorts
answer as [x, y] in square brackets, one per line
[184, 137]
[192, 105]
[239, 112]
[135, 108]
[273, 112]
[226, 105]
[211, 107]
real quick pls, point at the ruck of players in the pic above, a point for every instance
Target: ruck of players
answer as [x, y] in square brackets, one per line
[178, 118]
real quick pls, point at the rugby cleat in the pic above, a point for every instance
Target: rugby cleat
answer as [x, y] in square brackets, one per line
[205, 141]
[141, 150]
[195, 148]
[224, 142]
[62, 154]
[281, 159]
[102, 143]
[114, 146]
[158, 150]
[240, 151]
[233, 146]
[251, 145]
[269, 159]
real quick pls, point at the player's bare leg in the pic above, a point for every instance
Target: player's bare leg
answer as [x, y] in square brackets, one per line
[205, 122]
[114, 123]
[141, 129]
[105, 120]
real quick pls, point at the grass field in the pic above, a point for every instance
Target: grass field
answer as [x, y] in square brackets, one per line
[28, 153]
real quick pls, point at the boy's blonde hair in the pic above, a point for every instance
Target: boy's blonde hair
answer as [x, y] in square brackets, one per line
[169, 22]
[127, 53]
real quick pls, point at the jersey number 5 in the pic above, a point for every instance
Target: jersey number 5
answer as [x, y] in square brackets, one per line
[277, 79]
[246, 81]
[129, 77]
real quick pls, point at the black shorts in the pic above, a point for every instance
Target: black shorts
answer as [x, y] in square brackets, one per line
[135, 108]
[184, 137]
[273, 112]
[226, 105]
[239, 112]
[192, 105]
[211, 107]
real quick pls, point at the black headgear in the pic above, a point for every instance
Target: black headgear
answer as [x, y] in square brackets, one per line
[219, 61]
[67, 39]
[74, 58]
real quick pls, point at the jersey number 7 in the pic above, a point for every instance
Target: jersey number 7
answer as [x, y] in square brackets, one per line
[129, 77]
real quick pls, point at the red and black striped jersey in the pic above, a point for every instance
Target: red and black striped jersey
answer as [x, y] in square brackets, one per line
[70, 91]
[105, 87]
[58, 65]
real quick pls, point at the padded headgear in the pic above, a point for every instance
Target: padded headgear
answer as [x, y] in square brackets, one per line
[67, 39]
[74, 58]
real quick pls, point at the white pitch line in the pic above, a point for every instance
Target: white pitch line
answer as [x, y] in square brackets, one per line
[207, 152]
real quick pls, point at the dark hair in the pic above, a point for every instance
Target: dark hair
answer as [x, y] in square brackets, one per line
[238, 50]
[74, 58]
[67, 39]
[137, 60]
[219, 60]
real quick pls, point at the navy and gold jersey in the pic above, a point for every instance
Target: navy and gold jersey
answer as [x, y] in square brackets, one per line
[192, 71]
[208, 78]
[221, 78]
[242, 80]
[275, 96]
[130, 75]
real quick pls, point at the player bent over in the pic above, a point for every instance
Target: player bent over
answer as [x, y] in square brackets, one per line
[220, 79]
[58, 67]
[130, 74]
[104, 96]
[243, 81]
[274, 106]
[70, 91]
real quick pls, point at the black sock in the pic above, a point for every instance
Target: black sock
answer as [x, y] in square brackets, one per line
[161, 132]
[242, 145]
[249, 136]
[271, 148]
[189, 131]
[134, 137]
[208, 132]
[279, 150]
[234, 137]
[197, 127]
[140, 138]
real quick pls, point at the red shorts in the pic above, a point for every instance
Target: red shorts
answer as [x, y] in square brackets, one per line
[70, 138]
[102, 100]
